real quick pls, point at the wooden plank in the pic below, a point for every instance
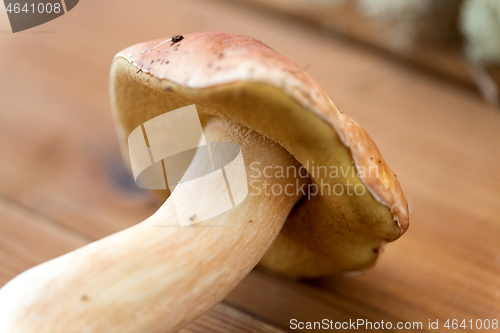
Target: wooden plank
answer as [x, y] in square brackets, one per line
[60, 161]
[225, 319]
[28, 239]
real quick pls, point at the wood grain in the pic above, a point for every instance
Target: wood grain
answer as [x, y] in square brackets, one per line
[62, 183]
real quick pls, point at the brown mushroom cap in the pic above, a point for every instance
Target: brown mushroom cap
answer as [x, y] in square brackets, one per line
[240, 78]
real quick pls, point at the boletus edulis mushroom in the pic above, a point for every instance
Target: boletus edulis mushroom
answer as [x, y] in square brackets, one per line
[151, 279]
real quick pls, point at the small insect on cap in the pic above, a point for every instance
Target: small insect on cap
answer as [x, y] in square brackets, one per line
[177, 38]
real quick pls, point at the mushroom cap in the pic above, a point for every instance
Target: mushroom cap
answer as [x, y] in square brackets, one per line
[240, 78]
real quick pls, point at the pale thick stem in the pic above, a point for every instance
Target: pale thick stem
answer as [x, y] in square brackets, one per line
[154, 277]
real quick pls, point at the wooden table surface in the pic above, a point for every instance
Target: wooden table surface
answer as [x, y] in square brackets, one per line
[63, 185]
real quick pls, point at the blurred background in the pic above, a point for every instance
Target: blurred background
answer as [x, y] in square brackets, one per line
[420, 76]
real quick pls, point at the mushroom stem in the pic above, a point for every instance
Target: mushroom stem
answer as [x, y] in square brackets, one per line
[151, 277]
